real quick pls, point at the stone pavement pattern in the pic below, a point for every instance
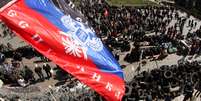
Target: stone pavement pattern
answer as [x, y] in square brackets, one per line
[130, 70]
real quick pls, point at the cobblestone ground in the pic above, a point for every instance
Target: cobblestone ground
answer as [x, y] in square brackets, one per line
[129, 70]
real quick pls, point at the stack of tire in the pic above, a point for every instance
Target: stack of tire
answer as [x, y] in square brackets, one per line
[164, 81]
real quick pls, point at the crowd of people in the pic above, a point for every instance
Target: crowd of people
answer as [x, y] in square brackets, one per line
[143, 32]
[22, 75]
[166, 82]
[158, 28]
[118, 26]
[12, 68]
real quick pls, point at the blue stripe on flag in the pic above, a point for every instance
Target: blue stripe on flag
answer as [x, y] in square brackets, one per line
[103, 59]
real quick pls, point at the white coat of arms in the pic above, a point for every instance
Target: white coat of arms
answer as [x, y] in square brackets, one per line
[79, 38]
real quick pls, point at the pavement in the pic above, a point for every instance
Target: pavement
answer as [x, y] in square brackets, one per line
[15, 41]
[129, 70]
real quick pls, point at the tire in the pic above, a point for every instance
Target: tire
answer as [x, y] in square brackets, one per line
[128, 90]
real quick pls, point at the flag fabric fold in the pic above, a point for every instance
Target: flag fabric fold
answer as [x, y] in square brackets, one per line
[69, 42]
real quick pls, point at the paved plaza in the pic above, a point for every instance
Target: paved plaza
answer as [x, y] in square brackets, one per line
[130, 69]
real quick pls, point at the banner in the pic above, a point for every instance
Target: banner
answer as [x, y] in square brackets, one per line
[65, 38]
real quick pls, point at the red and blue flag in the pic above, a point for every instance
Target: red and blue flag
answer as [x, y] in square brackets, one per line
[65, 38]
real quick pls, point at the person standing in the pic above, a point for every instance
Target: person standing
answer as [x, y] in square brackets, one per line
[38, 71]
[188, 91]
[2, 58]
[17, 56]
[29, 76]
[47, 68]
